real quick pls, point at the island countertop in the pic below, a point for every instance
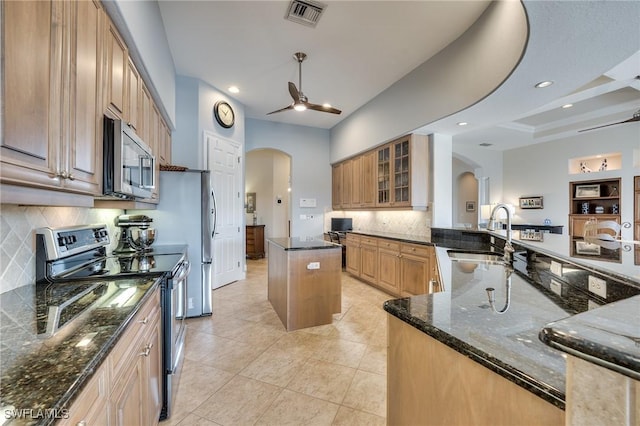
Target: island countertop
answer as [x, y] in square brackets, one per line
[608, 336]
[299, 243]
[508, 343]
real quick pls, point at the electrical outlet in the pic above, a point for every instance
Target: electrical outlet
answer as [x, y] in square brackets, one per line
[598, 286]
[190, 302]
[556, 287]
[556, 268]
[313, 265]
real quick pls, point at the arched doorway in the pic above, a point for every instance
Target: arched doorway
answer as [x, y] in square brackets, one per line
[268, 176]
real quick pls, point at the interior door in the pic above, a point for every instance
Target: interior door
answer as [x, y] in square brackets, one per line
[224, 161]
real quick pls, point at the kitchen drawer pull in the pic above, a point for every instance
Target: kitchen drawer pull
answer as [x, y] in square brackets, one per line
[144, 321]
[147, 350]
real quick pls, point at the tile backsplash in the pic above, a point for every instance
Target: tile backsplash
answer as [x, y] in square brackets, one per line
[408, 222]
[17, 236]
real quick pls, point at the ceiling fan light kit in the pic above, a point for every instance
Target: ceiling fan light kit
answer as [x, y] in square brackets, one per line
[300, 102]
[635, 118]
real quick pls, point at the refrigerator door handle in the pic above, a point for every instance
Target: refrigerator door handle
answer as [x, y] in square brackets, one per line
[214, 215]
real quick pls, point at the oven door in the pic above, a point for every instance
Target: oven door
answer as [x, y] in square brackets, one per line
[174, 334]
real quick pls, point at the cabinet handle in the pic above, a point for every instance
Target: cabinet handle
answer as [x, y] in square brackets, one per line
[144, 321]
[147, 350]
[82, 423]
[70, 176]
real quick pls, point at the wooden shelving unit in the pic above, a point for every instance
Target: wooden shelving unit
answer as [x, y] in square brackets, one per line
[593, 200]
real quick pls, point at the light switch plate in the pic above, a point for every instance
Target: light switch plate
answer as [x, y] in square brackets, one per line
[598, 286]
[313, 265]
[556, 268]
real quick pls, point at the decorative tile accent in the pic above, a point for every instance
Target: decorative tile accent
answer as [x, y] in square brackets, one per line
[18, 242]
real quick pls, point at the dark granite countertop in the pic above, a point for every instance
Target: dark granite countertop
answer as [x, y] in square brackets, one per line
[507, 343]
[302, 243]
[608, 336]
[47, 374]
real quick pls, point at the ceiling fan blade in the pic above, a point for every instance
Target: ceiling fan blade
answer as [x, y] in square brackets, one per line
[322, 108]
[294, 92]
[281, 109]
[630, 120]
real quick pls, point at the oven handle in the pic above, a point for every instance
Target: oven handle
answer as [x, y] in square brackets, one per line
[185, 269]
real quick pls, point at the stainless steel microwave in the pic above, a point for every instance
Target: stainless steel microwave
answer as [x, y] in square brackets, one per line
[129, 165]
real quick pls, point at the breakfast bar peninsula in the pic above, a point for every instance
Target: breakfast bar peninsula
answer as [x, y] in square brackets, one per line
[304, 284]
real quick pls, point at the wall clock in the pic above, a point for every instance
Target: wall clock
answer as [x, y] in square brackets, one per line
[224, 114]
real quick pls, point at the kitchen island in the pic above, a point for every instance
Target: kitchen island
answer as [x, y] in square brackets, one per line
[454, 360]
[304, 283]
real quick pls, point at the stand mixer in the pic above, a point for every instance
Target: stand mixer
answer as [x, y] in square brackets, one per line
[145, 235]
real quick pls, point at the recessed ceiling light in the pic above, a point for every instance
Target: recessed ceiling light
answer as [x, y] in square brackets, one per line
[462, 123]
[326, 105]
[565, 106]
[234, 89]
[542, 84]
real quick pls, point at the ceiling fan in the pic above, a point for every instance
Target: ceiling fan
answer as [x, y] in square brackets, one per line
[636, 117]
[300, 102]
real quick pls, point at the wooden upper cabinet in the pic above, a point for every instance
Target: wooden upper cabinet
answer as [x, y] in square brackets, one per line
[356, 182]
[116, 64]
[84, 148]
[51, 80]
[368, 180]
[146, 110]
[31, 80]
[336, 186]
[347, 185]
[132, 106]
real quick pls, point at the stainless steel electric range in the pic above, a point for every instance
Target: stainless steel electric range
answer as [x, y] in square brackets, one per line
[73, 272]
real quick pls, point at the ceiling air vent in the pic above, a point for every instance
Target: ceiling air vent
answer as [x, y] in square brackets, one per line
[485, 144]
[305, 12]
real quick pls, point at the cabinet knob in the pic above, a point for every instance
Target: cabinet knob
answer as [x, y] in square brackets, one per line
[147, 350]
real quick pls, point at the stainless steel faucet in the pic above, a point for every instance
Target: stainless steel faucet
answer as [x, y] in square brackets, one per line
[508, 248]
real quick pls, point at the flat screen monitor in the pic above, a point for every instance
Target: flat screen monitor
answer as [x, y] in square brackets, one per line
[341, 224]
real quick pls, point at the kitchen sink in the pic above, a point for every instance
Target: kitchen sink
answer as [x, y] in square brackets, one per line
[475, 256]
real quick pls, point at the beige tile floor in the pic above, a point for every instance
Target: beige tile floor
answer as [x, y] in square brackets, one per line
[242, 368]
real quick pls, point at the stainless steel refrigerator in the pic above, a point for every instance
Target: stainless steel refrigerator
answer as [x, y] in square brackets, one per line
[186, 215]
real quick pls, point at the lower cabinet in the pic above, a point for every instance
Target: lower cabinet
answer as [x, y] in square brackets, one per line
[389, 264]
[400, 269]
[254, 236]
[127, 388]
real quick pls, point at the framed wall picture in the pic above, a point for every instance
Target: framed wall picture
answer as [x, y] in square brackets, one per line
[470, 206]
[531, 202]
[251, 202]
[587, 191]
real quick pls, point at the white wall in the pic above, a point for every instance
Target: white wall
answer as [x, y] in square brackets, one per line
[465, 188]
[542, 169]
[308, 148]
[194, 102]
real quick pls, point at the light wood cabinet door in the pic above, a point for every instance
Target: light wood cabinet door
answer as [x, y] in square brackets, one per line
[132, 106]
[336, 186]
[347, 184]
[389, 266]
[32, 35]
[153, 373]
[91, 406]
[415, 269]
[116, 64]
[84, 143]
[356, 182]
[52, 82]
[369, 260]
[352, 244]
[128, 397]
[368, 180]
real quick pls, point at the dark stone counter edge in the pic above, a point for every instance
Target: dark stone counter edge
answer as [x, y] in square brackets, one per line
[310, 245]
[87, 373]
[602, 355]
[510, 373]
